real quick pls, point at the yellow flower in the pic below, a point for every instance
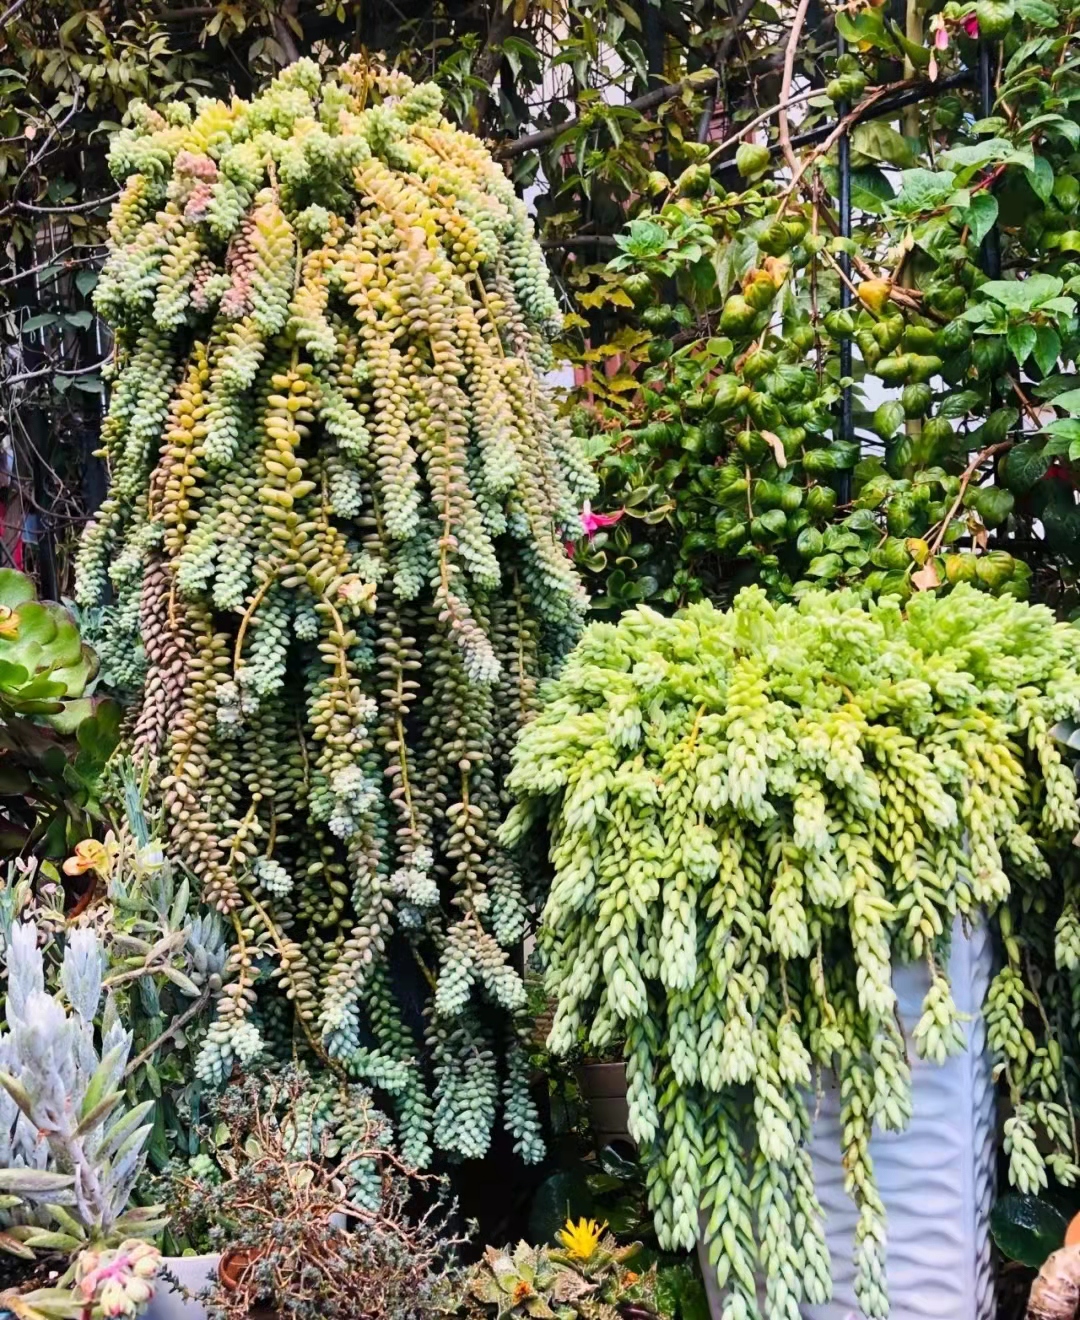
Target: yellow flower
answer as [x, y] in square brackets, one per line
[9, 623]
[92, 855]
[580, 1240]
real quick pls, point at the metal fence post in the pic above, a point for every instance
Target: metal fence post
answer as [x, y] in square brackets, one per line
[846, 426]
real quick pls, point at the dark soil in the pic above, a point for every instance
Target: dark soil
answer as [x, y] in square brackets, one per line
[25, 1275]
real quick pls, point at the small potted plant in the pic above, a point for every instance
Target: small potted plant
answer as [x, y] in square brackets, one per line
[312, 1208]
[587, 1275]
[70, 1148]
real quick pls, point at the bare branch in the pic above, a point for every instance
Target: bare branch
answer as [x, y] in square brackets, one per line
[698, 81]
[75, 206]
[53, 371]
[57, 259]
[783, 127]
[977, 462]
[177, 1024]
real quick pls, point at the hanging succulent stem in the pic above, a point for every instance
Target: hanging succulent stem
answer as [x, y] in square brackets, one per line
[249, 614]
[339, 498]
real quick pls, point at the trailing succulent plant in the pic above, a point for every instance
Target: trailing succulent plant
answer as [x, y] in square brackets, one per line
[334, 537]
[70, 1148]
[585, 1276]
[751, 814]
[54, 738]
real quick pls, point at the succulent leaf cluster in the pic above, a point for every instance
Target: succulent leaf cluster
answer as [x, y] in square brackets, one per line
[751, 815]
[589, 1278]
[54, 736]
[69, 1145]
[334, 542]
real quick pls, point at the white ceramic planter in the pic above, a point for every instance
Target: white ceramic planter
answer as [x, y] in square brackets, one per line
[937, 1177]
[194, 1273]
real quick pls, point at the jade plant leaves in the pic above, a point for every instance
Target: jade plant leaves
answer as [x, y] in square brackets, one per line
[54, 736]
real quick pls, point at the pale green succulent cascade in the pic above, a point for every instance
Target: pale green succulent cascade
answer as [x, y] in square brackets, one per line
[751, 815]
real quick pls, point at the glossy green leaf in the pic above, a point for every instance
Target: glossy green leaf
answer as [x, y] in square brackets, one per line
[1026, 1228]
[1023, 295]
[880, 141]
[1023, 466]
[981, 216]
[1041, 178]
[1047, 348]
[1021, 341]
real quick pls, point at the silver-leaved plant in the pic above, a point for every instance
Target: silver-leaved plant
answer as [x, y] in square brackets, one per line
[70, 1148]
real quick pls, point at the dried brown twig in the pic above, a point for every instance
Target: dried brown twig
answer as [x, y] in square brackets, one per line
[315, 1209]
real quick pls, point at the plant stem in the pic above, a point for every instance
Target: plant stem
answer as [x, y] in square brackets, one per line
[969, 472]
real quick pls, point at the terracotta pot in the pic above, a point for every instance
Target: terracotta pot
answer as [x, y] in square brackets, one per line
[232, 1265]
[231, 1269]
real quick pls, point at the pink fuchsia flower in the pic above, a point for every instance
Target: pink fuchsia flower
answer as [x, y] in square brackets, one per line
[970, 24]
[591, 523]
[940, 42]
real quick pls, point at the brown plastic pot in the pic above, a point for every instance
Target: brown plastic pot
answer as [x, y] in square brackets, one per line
[603, 1089]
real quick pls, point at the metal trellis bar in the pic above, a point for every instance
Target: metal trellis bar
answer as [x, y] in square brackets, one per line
[846, 420]
[990, 251]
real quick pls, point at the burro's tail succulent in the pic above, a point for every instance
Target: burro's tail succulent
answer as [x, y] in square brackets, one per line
[70, 1149]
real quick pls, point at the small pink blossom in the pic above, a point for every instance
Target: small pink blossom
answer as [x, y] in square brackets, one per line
[941, 37]
[970, 24]
[591, 522]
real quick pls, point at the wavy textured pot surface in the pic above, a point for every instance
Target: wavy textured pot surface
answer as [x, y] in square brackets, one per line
[937, 1177]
